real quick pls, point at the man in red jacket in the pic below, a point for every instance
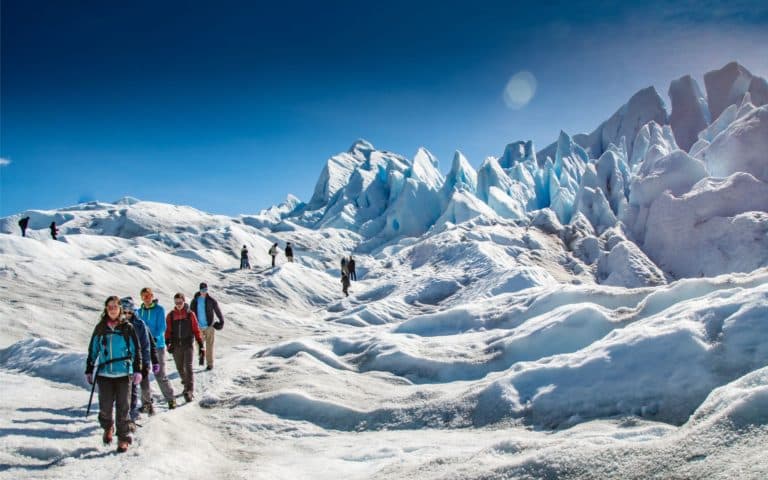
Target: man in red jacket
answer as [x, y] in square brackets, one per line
[180, 334]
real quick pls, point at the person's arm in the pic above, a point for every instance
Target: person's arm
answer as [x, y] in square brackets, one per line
[92, 354]
[217, 311]
[137, 360]
[196, 329]
[153, 349]
[168, 327]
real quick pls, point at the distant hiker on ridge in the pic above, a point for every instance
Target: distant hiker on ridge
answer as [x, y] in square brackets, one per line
[244, 263]
[180, 335]
[351, 268]
[344, 266]
[54, 230]
[205, 306]
[289, 252]
[345, 284]
[153, 315]
[23, 225]
[114, 363]
[273, 252]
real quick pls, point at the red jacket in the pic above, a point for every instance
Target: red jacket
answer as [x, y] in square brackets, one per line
[181, 327]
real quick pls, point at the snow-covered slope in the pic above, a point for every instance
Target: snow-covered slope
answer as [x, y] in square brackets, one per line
[599, 313]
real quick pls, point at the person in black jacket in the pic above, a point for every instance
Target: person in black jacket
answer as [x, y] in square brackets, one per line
[180, 335]
[289, 252]
[205, 307]
[351, 268]
[54, 230]
[23, 223]
[244, 263]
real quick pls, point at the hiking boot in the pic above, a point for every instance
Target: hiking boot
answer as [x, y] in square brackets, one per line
[209, 367]
[171, 404]
[132, 426]
[122, 446]
[188, 396]
[108, 433]
[147, 408]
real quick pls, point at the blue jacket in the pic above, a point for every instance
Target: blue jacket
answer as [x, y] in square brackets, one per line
[154, 318]
[115, 353]
[143, 335]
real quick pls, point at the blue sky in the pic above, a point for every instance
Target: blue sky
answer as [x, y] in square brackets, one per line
[229, 106]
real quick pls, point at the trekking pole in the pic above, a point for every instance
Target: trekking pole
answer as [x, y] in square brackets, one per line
[93, 387]
[95, 373]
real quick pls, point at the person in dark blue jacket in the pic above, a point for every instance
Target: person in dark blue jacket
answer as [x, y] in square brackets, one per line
[153, 315]
[114, 359]
[148, 354]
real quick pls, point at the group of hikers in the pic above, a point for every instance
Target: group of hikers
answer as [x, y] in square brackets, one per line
[246, 264]
[24, 223]
[128, 343]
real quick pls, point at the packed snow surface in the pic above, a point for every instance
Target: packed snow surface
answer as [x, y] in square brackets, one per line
[596, 310]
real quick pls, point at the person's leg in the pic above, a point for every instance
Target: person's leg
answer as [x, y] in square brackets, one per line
[134, 402]
[146, 392]
[106, 400]
[187, 356]
[209, 335]
[178, 359]
[162, 377]
[273, 260]
[122, 387]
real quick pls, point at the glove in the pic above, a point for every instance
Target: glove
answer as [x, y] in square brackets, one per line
[156, 368]
[137, 378]
[89, 378]
[170, 348]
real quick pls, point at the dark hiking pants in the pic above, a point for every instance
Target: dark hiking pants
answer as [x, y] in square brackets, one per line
[183, 357]
[111, 391]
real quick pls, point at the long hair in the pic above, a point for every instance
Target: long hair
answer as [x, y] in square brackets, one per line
[104, 315]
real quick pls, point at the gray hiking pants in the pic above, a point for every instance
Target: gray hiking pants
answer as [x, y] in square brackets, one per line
[183, 356]
[162, 381]
[111, 391]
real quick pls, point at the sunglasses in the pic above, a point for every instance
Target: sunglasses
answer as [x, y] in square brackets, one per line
[178, 300]
[203, 290]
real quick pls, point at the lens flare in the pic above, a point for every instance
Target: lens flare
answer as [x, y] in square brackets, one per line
[520, 90]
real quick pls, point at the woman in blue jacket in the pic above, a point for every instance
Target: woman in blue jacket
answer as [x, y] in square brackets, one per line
[114, 359]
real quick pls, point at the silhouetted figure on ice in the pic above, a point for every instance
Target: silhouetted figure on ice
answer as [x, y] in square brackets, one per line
[273, 253]
[351, 268]
[345, 284]
[344, 267]
[23, 223]
[244, 263]
[289, 252]
[54, 230]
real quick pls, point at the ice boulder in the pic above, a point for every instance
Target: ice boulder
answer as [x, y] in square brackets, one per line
[720, 226]
[627, 266]
[742, 147]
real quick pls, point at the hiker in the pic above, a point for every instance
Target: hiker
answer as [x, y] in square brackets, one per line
[205, 306]
[244, 263]
[153, 315]
[289, 252]
[344, 266]
[54, 230]
[23, 223]
[114, 359]
[180, 334]
[351, 268]
[345, 284]
[148, 356]
[273, 252]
